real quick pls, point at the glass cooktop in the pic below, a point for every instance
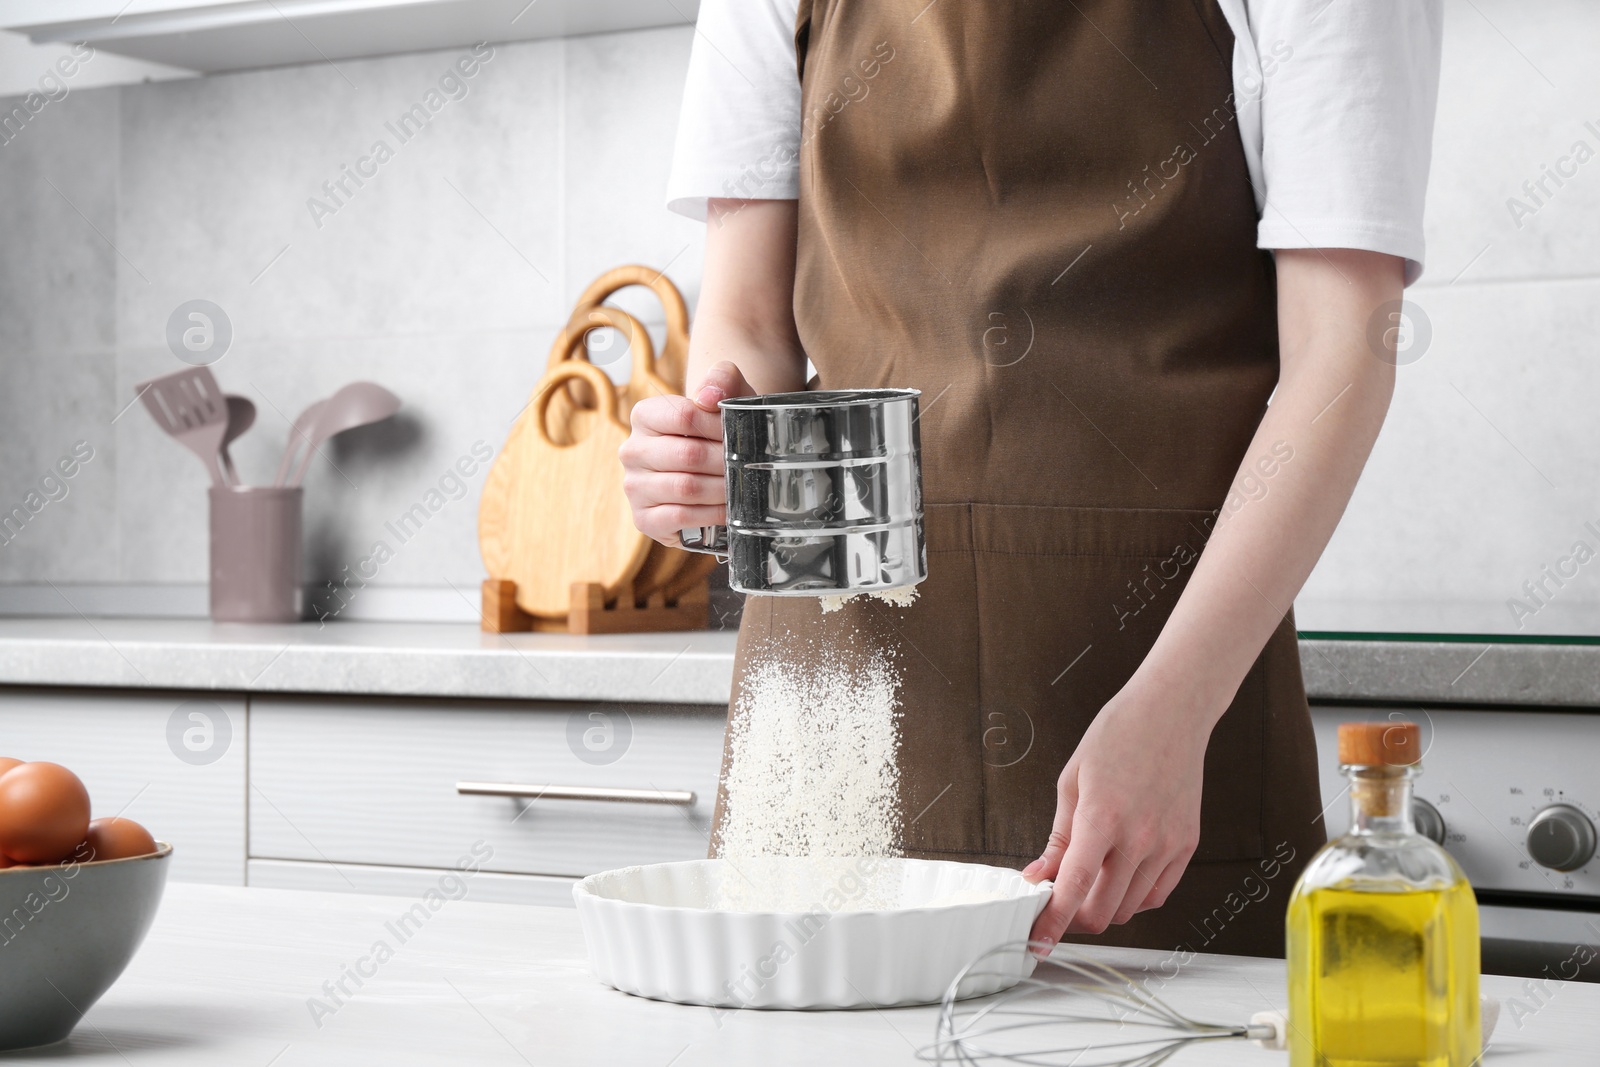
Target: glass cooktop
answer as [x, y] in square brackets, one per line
[1552, 622]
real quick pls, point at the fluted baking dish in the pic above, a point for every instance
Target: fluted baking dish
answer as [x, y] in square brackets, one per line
[804, 933]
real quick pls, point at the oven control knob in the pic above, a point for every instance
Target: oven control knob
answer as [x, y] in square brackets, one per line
[1428, 821]
[1561, 837]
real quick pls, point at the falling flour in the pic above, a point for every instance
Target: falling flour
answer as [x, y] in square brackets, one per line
[811, 815]
[902, 597]
[812, 765]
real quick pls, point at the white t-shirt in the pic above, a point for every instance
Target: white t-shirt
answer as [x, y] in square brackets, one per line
[1335, 102]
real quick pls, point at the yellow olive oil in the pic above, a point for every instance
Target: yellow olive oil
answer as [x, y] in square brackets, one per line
[1382, 931]
[1384, 976]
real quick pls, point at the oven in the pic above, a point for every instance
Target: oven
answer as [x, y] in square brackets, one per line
[1514, 796]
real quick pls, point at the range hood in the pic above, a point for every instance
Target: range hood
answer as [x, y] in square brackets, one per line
[207, 36]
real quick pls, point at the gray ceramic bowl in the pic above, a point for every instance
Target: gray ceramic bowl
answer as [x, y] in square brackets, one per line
[66, 933]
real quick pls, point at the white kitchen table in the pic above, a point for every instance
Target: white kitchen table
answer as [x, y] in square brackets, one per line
[227, 977]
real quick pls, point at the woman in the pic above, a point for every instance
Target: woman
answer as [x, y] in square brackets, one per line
[1099, 236]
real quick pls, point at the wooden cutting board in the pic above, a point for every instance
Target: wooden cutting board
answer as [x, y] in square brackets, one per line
[570, 417]
[673, 362]
[571, 411]
[671, 570]
[554, 513]
[572, 406]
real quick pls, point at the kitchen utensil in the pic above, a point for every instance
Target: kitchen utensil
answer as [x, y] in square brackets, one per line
[1039, 1019]
[299, 435]
[71, 929]
[553, 514]
[1078, 1012]
[668, 570]
[824, 493]
[572, 407]
[357, 404]
[668, 578]
[241, 416]
[674, 357]
[255, 554]
[661, 565]
[566, 421]
[690, 575]
[189, 406]
[841, 933]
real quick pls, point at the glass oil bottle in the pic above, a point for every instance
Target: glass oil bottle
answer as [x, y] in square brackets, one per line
[1382, 928]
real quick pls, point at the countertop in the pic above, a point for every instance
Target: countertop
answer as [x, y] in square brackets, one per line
[367, 659]
[228, 976]
[458, 660]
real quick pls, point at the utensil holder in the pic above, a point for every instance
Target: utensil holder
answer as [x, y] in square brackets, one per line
[255, 554]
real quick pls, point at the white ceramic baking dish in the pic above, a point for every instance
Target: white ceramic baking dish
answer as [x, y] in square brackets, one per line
[804, 933]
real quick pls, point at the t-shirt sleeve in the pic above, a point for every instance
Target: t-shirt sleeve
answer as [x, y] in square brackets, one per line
[1347, 90]
[739, 131]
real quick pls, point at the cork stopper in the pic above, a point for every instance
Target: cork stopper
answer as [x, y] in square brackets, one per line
[1379, 744]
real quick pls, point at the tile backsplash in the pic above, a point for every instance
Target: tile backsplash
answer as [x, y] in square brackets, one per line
[442, 266]
[1489, 463]
[444, 274]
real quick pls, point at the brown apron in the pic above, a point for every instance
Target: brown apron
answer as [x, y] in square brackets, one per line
[1039, 214]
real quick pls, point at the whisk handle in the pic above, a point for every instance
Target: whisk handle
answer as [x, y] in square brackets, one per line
[1269, 1029]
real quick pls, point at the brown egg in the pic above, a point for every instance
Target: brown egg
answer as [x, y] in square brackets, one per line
[6, 763]
[116, 839]
[44, 812]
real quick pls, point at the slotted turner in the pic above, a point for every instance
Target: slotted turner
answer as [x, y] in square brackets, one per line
[190, 406]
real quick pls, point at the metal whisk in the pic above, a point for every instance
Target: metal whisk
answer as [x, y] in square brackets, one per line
[1043, 1020]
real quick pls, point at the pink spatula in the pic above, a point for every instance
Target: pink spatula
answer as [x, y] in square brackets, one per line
[189, 406]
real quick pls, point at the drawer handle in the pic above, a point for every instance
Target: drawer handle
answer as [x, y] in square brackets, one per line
[680, 797]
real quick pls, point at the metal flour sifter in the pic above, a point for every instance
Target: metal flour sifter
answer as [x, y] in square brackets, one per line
[824, 493]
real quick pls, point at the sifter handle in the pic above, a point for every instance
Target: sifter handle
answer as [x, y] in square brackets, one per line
[712, 540]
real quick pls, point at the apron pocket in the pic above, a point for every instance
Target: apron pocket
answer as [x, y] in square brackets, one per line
[1069, 601]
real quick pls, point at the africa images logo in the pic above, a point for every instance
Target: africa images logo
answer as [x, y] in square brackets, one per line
[454, 85]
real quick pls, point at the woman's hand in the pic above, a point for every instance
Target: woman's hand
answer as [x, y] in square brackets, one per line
[1128, 807]
[672, 462]
[1127, 815]
[744, 342]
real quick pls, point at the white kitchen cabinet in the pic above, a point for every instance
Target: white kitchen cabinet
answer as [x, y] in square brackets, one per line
[213, 36]
[351, 781]
[174, 762]
[483, 886]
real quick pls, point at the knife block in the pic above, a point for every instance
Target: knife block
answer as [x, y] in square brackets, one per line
[590, 614]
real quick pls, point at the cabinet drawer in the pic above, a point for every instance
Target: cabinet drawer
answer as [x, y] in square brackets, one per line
[483, 886]
[353, 781]
[173, 762]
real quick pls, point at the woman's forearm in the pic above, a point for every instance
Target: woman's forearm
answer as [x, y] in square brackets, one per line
[1294, 482]
[744, 341]
[745, 314]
